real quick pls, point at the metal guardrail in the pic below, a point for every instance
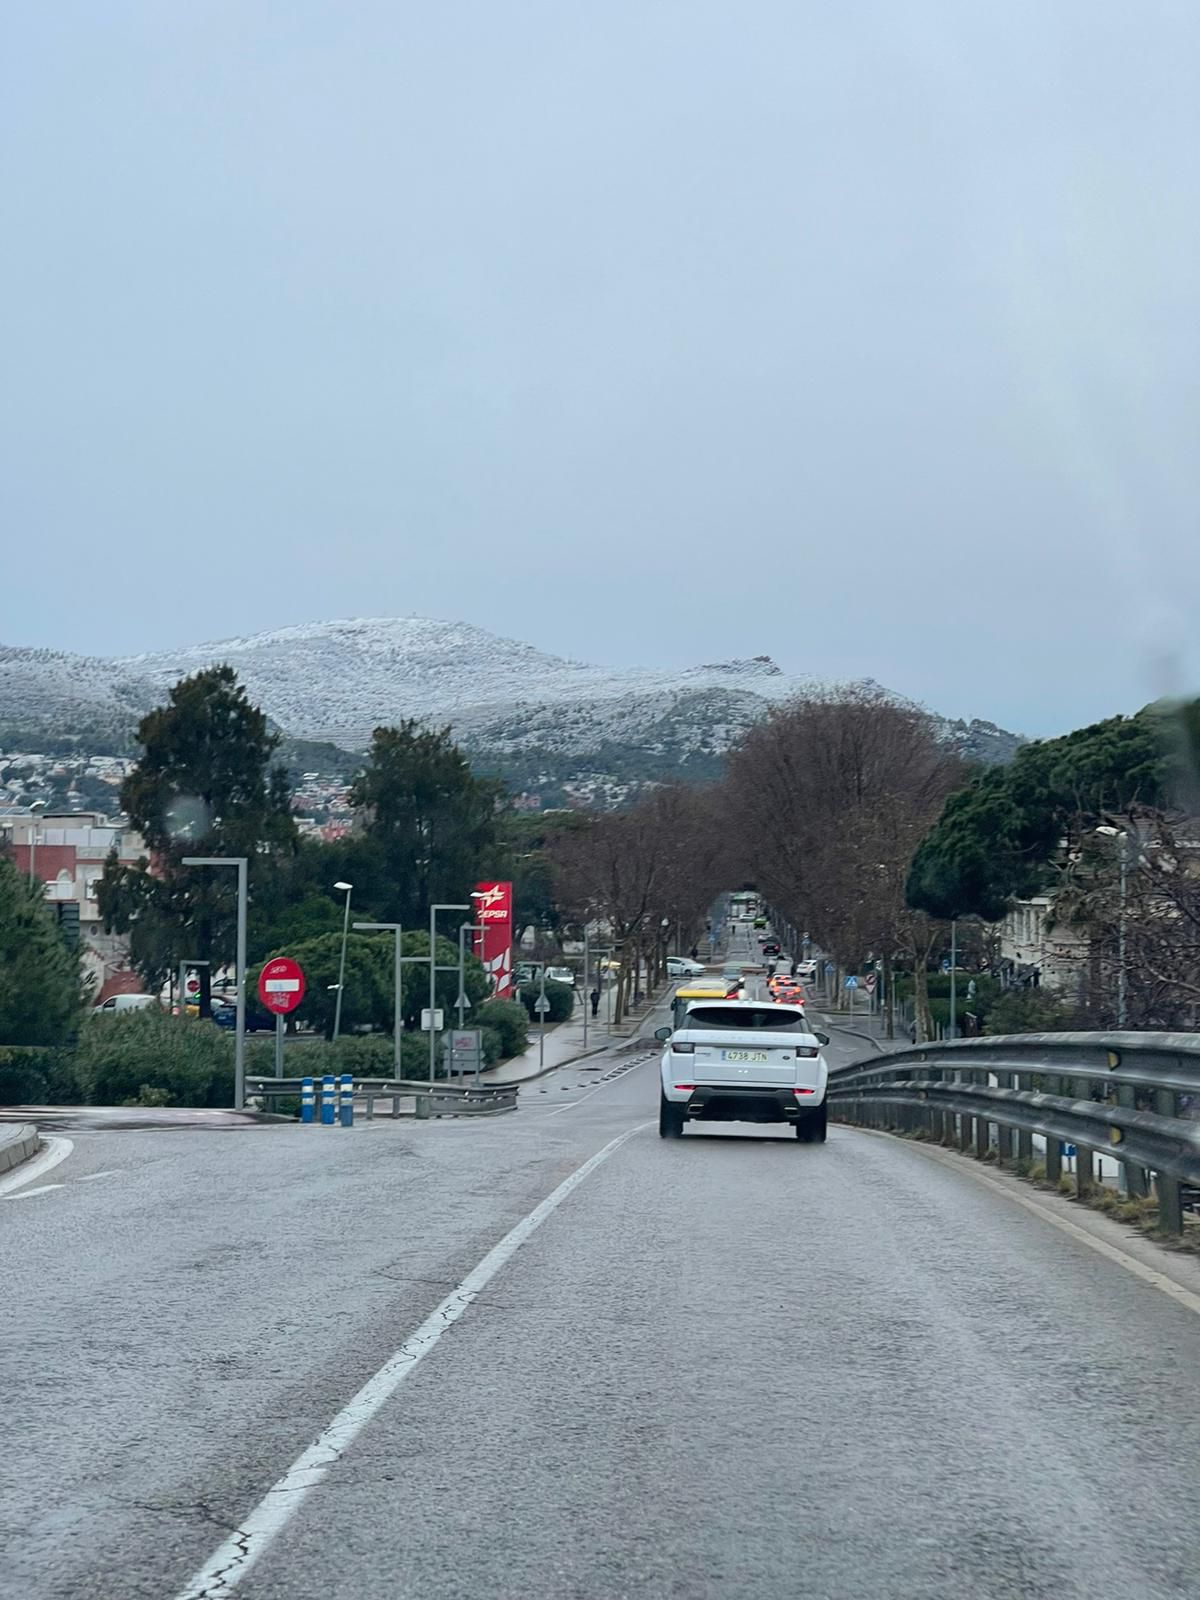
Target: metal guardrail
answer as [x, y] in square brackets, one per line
[439, 1099]
[1126, 1094]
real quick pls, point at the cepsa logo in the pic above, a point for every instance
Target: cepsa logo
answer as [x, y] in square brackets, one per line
[493, 902]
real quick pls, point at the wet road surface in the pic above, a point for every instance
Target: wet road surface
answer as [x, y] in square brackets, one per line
[725, 1365]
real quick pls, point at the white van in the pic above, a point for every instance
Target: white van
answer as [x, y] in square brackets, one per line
[124, 1002]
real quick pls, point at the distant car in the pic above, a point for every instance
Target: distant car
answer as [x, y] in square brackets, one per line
[806, 970]
[771, 947]
[684, 967]
[560, 975]
[116, 1003]
[224, 1014]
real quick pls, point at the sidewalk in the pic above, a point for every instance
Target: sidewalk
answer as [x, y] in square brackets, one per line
[564, 1042]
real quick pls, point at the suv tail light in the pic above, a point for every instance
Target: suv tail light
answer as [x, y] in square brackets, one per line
[688, 1086]
[683, 1049]
[807, 1050]
[804, 1091]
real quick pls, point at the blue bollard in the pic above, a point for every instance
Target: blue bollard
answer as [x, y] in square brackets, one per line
[307, 1100]
[327, 1106]
[346, 1102]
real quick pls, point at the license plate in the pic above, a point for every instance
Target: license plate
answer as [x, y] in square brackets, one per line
[744, 1055]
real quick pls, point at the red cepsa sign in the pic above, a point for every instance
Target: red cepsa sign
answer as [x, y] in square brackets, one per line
[281, 985]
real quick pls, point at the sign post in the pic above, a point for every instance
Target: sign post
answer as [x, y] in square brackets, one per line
[280, 990]
[851, 986]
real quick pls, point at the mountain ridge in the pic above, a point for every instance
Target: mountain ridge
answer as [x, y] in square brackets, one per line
[506, 700]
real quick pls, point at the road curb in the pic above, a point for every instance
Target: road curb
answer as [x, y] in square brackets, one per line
[17, 1144]
[857, 1033]
[532, 1077]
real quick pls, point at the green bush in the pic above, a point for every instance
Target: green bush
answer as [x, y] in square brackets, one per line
[138, 1057]
[36, 1075]
[560, 995]
[1030, 1011]
[493, 1046]
[510, 1020]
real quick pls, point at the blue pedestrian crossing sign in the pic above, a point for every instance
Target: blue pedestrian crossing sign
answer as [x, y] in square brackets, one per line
[851, 982]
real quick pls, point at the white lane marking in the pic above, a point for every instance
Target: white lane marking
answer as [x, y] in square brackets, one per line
[1156, 1280]
[57, 1149]
[233, 1560]
[28, 1194]
[90, 1177]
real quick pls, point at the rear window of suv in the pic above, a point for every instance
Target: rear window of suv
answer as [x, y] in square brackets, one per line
[776, 1018]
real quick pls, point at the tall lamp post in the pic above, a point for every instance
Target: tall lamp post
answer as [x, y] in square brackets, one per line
[239, 1037]
[34, 807]
[344, 888]
[433, 970]
[398, 1012]
[462, 1002]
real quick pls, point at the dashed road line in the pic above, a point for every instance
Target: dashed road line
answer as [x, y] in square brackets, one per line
[28, 1194]
[229, 1564]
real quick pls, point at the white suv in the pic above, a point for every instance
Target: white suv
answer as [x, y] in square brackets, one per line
[743, 1061]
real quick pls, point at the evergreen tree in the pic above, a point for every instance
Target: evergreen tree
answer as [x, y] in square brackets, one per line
[41, 991]
[205, 785]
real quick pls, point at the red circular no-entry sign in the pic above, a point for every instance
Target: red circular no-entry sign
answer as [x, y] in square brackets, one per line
[281, 985]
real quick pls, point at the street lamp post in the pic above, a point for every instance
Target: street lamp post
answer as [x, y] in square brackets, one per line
[433, 970]
[239, 1037]
[462, 1002]
[346, 888]
[398, 1011]
[34, 807]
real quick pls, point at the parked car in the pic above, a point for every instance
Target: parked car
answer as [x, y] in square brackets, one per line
[560, 975]
[116, 1003]
[224, 1014]
[684, 967]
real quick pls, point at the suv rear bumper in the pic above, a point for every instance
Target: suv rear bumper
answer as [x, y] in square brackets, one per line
[743, 1103]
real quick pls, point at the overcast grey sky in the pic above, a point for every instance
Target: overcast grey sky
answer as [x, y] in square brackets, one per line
[652, 331]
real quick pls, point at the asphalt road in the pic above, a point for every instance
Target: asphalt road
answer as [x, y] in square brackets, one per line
[725, 1365]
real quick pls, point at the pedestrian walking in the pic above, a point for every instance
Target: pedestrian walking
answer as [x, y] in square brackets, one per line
[594, 997]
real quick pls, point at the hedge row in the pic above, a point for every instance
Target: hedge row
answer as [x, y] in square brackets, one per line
[149, 1057]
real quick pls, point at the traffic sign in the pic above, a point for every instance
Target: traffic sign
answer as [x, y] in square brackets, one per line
[437, 1017]
[829, 969]
[851, 982]
[281, 985]
[541, 1004]
[870, 981]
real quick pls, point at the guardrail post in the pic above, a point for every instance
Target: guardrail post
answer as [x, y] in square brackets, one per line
[1136, 1178]
[1170, 1200]
[346, 1101]
[327, 1107]
[1024, 1137]
[307, 1100]
[1085, 1172]
[981, 1137]
[1053, 1085]
[422, 1107]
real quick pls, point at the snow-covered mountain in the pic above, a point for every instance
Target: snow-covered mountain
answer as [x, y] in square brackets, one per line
[336, 681]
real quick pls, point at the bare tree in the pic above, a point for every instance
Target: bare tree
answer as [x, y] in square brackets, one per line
[833, 793]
